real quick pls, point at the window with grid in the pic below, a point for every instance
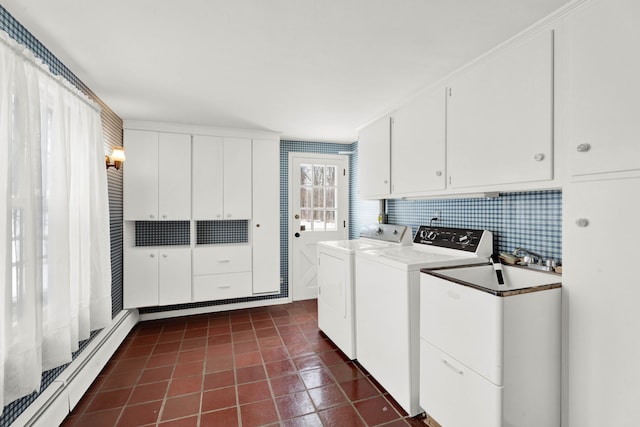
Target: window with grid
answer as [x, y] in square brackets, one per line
[318, 197]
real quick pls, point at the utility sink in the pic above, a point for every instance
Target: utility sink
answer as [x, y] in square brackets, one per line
[517, 280]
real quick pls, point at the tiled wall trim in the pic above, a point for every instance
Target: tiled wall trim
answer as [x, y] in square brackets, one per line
[112, 129]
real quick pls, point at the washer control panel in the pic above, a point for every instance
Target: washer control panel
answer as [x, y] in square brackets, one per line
[453, 238]
[387, 233]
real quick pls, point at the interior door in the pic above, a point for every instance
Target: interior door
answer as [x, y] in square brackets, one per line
[318, 211]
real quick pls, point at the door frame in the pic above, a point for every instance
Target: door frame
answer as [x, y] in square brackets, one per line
[327, 156]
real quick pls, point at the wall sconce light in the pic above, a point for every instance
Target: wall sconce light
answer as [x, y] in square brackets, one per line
[116, 158]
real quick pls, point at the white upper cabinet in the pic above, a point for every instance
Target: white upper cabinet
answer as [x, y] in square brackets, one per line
[374, 159]
[221, 178]
[237, 178]
[500, 117]
[208, 177]
[418, 145]
[157, 176]
[605, 93]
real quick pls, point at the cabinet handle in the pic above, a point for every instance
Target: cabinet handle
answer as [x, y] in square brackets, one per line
[538, 157]
[224, 260]
[152, 255]
[386, 181]
[151, 216]
[164, 216]
[226, 286]
[450, 366]
[258, 225]
[582, 222]
[218, 215]
[438, 173]
[583, 148]
[228, 215]
[453, 295]
[164, 255]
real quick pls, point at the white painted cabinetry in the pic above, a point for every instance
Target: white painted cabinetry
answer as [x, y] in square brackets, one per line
[418, 145]
[157, 176]
[601, 208]
[266, 216]
[202, 181]
[157, 276]
[487, 360]
[221, 272]
[374, 159]
[221, 178]
[605, 93]
[500, 117]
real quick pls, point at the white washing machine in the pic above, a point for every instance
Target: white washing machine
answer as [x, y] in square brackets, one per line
[388, 301]
[336, 280]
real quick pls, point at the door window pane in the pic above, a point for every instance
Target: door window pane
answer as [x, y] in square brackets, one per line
[318, 197]
[318, 175]
[305, 175]
[331, 198]
[306, 194]
[330, 176]
[330, 220]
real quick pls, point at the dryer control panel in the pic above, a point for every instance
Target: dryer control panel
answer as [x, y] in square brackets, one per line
[453, 238]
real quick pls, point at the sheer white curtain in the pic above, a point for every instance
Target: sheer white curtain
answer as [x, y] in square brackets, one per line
[54, 222]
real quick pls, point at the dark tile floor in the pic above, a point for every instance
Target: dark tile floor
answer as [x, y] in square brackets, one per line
[261, 366]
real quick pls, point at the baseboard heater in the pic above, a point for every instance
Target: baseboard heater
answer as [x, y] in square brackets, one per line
[63, 394]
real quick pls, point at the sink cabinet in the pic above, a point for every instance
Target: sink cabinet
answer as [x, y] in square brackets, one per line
[486, 360]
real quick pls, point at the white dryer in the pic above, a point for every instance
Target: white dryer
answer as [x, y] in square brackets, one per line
[336, 280]
[388, 301]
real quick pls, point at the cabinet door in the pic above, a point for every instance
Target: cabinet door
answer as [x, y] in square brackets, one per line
[601, 291]
[605, 94]
[174, 284]
[418, 145]
[207, 175]
[374, 167]
[140, 174]
[140, 287]
[237, 178]
[500, 118]
[266, 216]
[174, 176]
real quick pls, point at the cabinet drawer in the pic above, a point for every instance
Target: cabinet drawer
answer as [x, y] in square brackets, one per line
[220, 260]
[449, 312]
[221, 286]
[453, 394]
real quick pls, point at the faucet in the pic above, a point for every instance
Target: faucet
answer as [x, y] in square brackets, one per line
[530, 257]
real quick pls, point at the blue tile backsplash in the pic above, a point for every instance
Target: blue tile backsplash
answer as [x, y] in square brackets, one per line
[532, 220]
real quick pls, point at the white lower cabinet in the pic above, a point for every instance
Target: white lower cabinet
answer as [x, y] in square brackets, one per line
[456, 395]
[487, 360]
[157, 277]
[221, 286]
[222, 272]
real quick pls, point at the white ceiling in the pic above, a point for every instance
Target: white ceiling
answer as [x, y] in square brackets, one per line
[314, 70]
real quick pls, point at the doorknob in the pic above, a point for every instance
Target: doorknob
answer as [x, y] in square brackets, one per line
[297, 234]
[296, 216]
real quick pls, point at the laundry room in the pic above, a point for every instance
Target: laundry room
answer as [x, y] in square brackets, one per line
[343, 213]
